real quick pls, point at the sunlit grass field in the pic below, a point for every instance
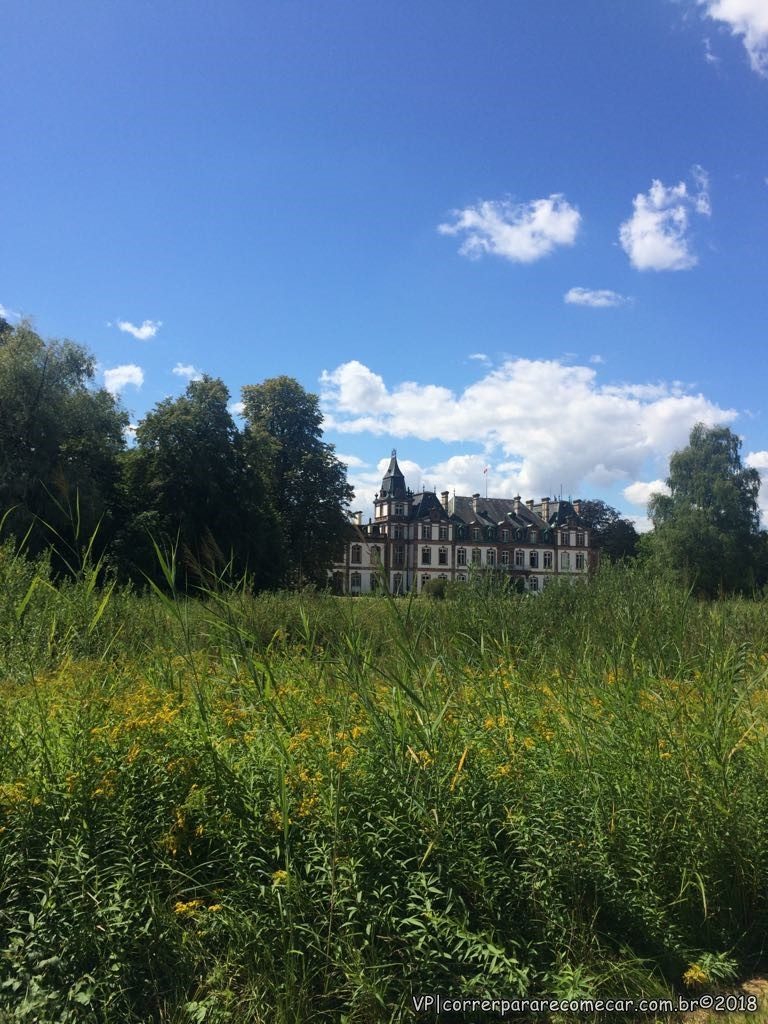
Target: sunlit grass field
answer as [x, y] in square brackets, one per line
[299, 808]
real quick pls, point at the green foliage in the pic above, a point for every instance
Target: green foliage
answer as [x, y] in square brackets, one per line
[613, 535]
[294, 807]
[306, 483]
[60, 440]
[188, 483]
[707, 528]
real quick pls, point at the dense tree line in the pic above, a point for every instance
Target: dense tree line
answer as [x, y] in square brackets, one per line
[268, 501]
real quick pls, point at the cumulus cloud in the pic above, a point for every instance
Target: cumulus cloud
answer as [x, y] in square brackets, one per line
[187, 371]
[121, 376]
[597, 298]
[656, 236]
[236, 408]
[639, 493]
[351, 461]
[759, 461]
[748, 19]
[144, 332]
[520, 232]
[8, 314]
[541, 425]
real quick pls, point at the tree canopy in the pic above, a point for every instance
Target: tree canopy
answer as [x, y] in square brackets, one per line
[613, 534]
[707, 527]
[306, 483]
[60, 438]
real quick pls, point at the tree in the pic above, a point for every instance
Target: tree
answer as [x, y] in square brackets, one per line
[188, 481]
[707, 527]
[60, 441]
[613, 535]
[306, 482]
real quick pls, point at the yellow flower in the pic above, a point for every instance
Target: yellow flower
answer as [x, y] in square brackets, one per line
[186, 908]
[215, 908]
[279, 878]
[695, 975]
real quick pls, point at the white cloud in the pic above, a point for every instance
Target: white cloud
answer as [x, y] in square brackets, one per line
[521, 232]
[143, 333]
[187, 370]
[129, 432]
[479, 357]
[639, 493]
[351, 461]
[596, 360]
[656, 235]
[746, 18]
[759, 461]
[8, 314]
[121, 376]
[542, 425]
[236, 408]
[598, 298]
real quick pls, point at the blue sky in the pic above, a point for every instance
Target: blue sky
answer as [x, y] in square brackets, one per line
[527, 237]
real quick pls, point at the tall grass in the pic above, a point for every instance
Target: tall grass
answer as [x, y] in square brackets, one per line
[300, 808]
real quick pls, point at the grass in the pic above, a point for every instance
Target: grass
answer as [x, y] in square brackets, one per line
[299, 808]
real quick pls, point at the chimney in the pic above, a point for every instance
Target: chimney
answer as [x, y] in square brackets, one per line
[529, 503]
[357, 518]
[545, 508]
[475, 499]
[577, 506]
[516, 500]
[444, 499]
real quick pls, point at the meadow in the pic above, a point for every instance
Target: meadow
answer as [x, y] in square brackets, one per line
[300, 808]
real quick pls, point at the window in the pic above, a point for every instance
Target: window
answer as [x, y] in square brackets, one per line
[424, 579]
[443, 533]
[565, 538]
[475, 533]
[547, 559]
[426, 556]
[461, 531]
[461, 578]
[519, 558]
[397, 531]
[490, 557]
[505, 558]
[533, 559]
[565, 560]
[399, 510]
[426, 531]
[442, 556]
[475, 556]
[374, 582]
[580, 560]
[397, 583]
[533, 583]
[399, 558]
[355, 581]
[533, 536]
[579, 540]
[375, 555]
[461, 556]
[505, 536]
[443, 576]
[356, 554]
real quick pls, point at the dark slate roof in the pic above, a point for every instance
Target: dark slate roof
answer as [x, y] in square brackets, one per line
[500, 511]
[425, 503]
[393, 484]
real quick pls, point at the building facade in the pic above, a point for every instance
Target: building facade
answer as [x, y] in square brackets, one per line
[417, 537]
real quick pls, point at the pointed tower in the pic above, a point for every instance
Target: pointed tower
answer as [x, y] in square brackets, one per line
[393, 499]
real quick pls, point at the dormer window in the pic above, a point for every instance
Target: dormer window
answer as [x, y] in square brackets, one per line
[534, 535]
[399, 510]
[475, 533]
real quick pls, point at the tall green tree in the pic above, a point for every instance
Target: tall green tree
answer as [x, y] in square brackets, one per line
[707, 527]
[60, 441]
[306, 482]
[612, 534]
[188, 483]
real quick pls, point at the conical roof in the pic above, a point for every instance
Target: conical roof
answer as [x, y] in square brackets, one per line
[393, 484]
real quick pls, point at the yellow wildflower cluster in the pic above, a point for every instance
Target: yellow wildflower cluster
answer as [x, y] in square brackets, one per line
[695, 975]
